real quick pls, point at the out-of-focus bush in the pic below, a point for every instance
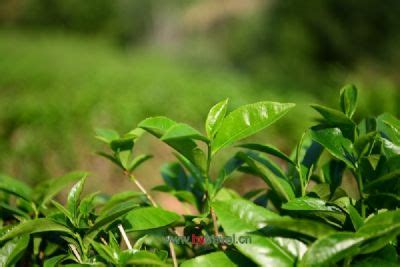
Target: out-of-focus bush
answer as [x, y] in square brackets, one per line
[311, 41]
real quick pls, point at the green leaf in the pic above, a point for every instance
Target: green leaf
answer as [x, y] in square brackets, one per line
[110, 216]
[248, 120]
[138, 258]
[137, 161]
[215, 118]
[348, 100]
[12, 251]
[333, 117]
[333, 140]
[230, 166]
[279, 185]
[209, 260]
[241, 216]
[157, 126]
[331, 249]
[15, 187]
[106, 135]
[150, 218]
[74, 197]
[266, 252]
[47, 190]
[119, 198]
[315, 207]
[385, 180]
[35, 226]
[269, 150]
[123, 144]
[54, 261]
[355, 217]
[380, 230]
[183, 131]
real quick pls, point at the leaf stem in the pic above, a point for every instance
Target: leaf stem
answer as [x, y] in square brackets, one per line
[154, 204]
[141, 188]
[76, 253]
[124, 236]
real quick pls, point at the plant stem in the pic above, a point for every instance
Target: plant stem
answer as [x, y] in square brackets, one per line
[76, 253]
[173, 255]
[141, 188]
[154, 204]
[213, 216]
[360, 190]
[124, 236]
[214, 219]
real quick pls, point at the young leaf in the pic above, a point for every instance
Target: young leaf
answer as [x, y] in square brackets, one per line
[248, 120]
[215, 118]
[137, 161]
[140, 258]
[183, 131]
[348, 100]
[157, 126]
[74, 197]
[209, 260]
[106, 135]
[150, 218]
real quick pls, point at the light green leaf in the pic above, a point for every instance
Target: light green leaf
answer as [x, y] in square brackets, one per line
[157, 126]
[348, 100]
[183, 131]
[215, 117]
[248, 120]
[150, 218]
[209, 260]
[106, 135]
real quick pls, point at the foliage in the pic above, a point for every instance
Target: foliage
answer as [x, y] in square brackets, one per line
[305, 215]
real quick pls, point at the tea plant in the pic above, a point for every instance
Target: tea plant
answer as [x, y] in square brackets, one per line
[332, 202]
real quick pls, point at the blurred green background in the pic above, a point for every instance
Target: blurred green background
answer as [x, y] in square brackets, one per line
[69, 66]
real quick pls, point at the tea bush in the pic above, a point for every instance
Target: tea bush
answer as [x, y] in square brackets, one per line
[307, 214]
